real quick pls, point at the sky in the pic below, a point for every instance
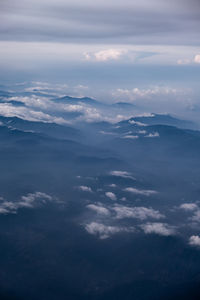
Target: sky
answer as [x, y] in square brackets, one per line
[109, 49]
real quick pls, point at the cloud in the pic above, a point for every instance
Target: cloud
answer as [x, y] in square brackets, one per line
[85, 188]
[152, 135]
[140, 192]
[197, 59]
[31, 200]
[103, 231]
[111, 195]
[105, 55]
[194, 240]
[99, 209]
[153, 22]
[140, 213]
[9, 110]
[196, 216]
[136, 95]
[133, 122]
[112, 185]
[45, 109]
[123, 174]
[187, 61]
[158, 228]
[132, 137]
[188, 206]
[107, 132]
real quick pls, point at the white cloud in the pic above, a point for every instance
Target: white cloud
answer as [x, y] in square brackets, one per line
[133, 137]
[140, 213]
[26, 113]
[4, 210]
[133, 122]
[85, 188]
[104, 231]
[194, 240]
[112, 185]
[105, 55]
[99, 209]
[123, 174]
[31, 200]
[196, 216]
[186, 61]
[111, 195]
[158, 228]
[188, 206]
[145, 94]
[140, 192]
[142, 131]
[152, 135]
[197, 59]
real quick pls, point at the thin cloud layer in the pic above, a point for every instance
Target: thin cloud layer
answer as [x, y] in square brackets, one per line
[139, 21]
[123, 174]
[140, 192]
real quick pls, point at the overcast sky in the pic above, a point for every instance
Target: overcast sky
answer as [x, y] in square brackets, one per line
[101, 43]
[172, 22]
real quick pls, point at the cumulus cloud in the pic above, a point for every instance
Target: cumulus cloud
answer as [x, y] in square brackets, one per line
[137, 93]
[99, 209]
[140, 213]
[196, 216]
[85, 188]
[158, 228]
[123, 174]
[197, 59]
[112, 185]
[31, 200]
[104, 231]
[140, 192]
[111, 195]
[152, 135]
[188, 206]
[105, 55]
[194, 240]
[186, 61]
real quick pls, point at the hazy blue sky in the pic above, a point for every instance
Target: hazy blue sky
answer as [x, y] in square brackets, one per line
[108, 47]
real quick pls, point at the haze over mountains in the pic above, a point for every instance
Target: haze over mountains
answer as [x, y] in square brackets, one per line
[94, 196]
[99, 150]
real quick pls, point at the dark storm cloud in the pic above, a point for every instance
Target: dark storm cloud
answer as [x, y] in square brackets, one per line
[175, 22]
